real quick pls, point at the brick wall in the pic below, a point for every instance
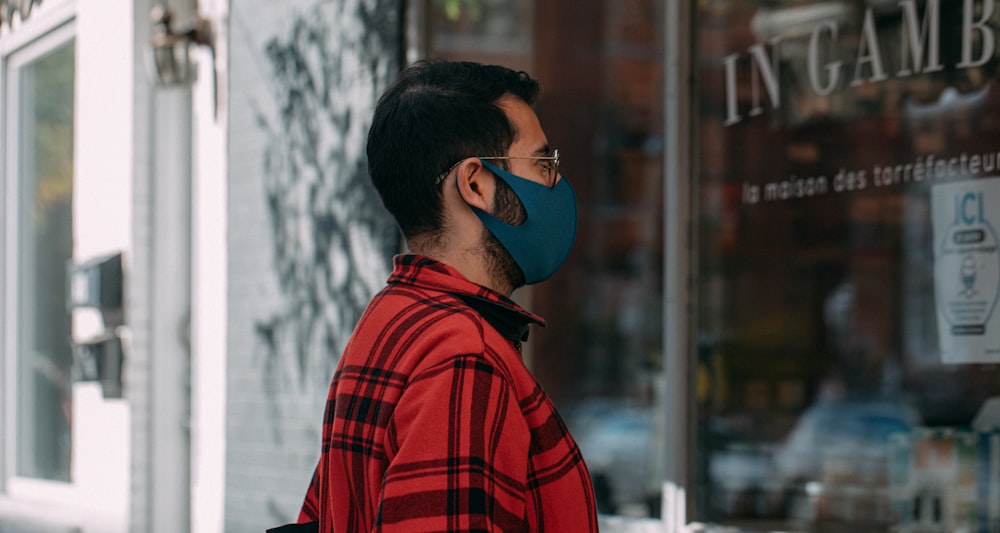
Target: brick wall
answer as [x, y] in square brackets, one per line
[309, 242]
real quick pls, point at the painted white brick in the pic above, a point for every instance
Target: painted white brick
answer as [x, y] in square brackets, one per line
[273, 416]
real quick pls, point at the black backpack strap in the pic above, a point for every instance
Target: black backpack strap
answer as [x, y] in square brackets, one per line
[311, 527]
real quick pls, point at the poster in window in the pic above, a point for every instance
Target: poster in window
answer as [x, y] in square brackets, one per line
[967, 269]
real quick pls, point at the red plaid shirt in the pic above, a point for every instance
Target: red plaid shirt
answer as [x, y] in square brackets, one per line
[433, 423]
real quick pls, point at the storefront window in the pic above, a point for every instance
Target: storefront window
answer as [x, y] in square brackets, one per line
[848, 200]
[600, 64]
[43, 104]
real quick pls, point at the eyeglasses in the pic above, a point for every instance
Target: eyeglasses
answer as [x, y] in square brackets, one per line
[549, 165]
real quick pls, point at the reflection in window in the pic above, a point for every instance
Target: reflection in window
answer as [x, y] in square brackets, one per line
[824, 399]
[600, 67]
[45, 156]
[490, 24]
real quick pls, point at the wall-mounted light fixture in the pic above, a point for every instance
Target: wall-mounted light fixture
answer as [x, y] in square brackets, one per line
[21, 7]
[169, 51]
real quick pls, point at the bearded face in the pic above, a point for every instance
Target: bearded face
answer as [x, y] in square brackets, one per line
[502, 267]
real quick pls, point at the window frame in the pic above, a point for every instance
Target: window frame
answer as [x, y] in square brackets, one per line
[680, 261]
[51, 26]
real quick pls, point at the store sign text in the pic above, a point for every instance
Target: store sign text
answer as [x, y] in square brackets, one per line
[921, 54]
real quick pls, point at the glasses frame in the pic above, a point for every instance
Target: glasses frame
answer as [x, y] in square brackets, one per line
[553, 161]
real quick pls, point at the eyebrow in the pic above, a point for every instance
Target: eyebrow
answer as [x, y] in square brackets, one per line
[543, 150]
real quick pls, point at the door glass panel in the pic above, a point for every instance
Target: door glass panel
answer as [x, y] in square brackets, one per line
[848, 196]
[600, 67]
[45, 156]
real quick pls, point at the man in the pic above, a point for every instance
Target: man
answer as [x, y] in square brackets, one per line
[433, 423]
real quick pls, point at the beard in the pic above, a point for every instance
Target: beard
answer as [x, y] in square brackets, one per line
[499, 263]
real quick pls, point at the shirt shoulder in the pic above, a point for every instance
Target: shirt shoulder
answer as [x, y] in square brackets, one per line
[404, 325]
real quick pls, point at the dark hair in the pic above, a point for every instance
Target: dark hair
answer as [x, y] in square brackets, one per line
[434, 115]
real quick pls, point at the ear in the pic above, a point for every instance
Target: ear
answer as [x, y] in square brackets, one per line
[475, 184]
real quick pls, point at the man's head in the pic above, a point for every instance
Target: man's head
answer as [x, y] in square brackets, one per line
[434, 115]
[442, 141]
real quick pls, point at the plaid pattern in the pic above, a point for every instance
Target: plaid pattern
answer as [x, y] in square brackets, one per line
[433, 423]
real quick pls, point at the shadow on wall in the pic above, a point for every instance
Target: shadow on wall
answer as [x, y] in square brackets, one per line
[332, 239]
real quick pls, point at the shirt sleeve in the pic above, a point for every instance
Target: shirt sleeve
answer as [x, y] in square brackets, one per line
[458, 453]
[310, 504]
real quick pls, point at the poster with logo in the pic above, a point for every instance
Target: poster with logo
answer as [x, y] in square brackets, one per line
[967, 269]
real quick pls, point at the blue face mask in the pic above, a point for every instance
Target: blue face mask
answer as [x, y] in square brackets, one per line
[541, 244]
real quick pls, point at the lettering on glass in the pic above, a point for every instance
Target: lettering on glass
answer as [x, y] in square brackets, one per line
[920, 46]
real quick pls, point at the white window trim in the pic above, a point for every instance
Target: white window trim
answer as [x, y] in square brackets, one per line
[50, 26]
[45, 18]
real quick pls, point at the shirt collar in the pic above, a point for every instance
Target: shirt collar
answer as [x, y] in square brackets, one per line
[510, 319]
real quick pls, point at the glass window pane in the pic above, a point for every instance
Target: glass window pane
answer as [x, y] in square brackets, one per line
[600, 67]
[847, 265]
[44, 357]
